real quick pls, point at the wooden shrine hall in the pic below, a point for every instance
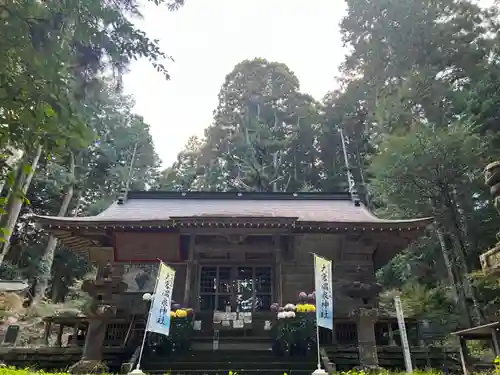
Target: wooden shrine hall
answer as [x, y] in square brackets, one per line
[240, 252]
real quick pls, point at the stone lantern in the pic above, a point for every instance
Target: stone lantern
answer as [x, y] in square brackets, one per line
[99, 315]
[490, 260]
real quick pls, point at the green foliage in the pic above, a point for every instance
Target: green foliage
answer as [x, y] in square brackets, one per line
[179, 339]
[297, 331]
[262, 137]
[414, 170]
[9, 271]
[488, 287]
[431, 100]
[100, 172]
[57, 96]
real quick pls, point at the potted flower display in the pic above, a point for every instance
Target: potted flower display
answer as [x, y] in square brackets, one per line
[295, 326]
[181, 331]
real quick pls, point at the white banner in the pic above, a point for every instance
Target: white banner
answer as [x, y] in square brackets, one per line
[324, 293]
[402, 332]
[159, 314]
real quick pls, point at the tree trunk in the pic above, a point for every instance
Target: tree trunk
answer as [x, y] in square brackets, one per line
[15, 202]
[13, 191]
[447, 261]
[465, 208]
[467, 288]
[56, 285]
[48, 255]
[459, 236]
[450, 258]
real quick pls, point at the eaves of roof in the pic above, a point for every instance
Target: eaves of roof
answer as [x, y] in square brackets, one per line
[167, 209]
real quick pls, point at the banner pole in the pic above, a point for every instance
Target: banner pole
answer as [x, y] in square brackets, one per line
[402, 332]
[317, 325]
[138, 366]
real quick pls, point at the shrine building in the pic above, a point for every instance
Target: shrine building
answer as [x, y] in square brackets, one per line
[241, 252]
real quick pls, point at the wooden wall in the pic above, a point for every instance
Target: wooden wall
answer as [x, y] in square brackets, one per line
[133, 246]
[351, 261]
[290, 254]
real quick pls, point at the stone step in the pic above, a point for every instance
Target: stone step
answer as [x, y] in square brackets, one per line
[223, 361]
[261, 371]
[233, 338]
[229, 356]
[231, 346]
[233, 365]
[252, 343]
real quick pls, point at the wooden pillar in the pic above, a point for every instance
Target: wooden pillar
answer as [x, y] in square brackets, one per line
[59, 335]
[392, 342]
[464, 355]
[46, 333]
[74, 338]
[417, 334]
[334, 334]
[278, 282]
[495, 339]
[423, 330]
[189, 272]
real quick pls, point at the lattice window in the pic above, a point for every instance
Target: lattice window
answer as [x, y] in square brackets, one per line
[115, 334]
[224, 278]
[346, 333]
[243, 288]
[208, 279]
[263, 287]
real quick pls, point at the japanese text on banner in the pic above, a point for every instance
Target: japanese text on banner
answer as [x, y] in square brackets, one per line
[324, 295]
[159, 319]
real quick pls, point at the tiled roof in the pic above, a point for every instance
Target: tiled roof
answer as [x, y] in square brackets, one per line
[307, 207]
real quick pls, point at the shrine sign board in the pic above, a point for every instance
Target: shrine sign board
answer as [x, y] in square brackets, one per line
[232, 320]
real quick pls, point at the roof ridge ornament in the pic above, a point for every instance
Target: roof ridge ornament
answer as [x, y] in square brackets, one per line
[350, 178]
[122, 198]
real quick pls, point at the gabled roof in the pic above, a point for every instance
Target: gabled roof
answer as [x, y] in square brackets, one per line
[202, 212]
[152, 207]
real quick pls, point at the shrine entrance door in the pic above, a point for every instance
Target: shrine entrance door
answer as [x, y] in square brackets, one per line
[235, 288]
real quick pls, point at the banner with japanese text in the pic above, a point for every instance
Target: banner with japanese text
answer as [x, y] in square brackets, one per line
[159, 314]
[324, 295]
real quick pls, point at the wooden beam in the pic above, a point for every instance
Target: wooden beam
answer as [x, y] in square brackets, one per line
[189, 271]
[496, 345]
[233, 231]
[464, 355]
[278, 283]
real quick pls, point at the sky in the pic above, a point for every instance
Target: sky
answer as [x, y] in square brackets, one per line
[207, 38]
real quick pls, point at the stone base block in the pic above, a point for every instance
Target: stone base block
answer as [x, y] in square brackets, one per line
[374, 369]
[126, 367]
[89, 366]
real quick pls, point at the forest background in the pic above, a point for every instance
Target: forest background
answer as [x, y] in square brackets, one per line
[418, 103]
